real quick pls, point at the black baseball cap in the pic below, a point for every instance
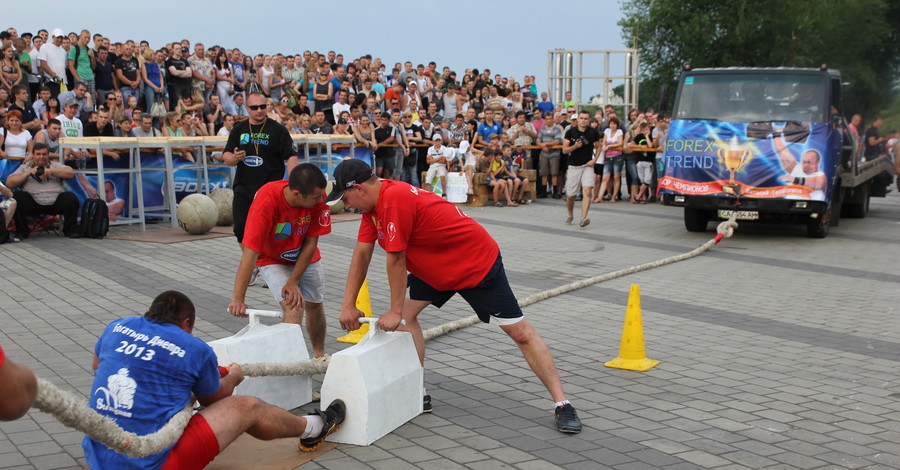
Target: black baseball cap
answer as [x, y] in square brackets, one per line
[347, 174]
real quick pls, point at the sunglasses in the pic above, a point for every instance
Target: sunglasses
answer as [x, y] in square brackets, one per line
[255, 107]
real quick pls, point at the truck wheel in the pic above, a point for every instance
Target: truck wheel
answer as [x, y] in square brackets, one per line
[858, 204]
[818, 227]
[695, 220]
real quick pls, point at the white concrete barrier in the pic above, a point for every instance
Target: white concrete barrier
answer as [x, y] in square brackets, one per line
[256, 342]
[380, 380]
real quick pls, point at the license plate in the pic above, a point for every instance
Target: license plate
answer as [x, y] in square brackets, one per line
[741, 215]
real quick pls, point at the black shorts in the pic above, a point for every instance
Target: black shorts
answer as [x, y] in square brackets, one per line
[492, 297]
[388, 163]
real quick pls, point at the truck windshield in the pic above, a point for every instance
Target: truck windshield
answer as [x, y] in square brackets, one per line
[752, 97]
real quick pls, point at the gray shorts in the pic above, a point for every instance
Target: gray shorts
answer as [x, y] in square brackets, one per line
[312, 284]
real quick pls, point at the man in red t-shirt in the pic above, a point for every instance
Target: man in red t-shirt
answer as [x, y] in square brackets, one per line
[281, 238]
[18, 388]
[445, 252]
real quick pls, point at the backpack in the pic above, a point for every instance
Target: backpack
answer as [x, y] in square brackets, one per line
[94, 218]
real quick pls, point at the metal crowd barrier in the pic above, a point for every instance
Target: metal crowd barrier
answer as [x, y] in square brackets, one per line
[312, 148]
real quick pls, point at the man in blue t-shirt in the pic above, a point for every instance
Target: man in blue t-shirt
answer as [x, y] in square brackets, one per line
[546, 106]
[146, 369]
[488, 127]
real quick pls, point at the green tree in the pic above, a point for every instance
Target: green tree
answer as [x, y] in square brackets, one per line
[859, 37]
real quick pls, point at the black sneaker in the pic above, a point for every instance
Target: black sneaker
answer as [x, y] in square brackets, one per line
[567, 419]
[333, 417]
[426, 404]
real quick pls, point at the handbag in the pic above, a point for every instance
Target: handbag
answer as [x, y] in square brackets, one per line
[158, 108]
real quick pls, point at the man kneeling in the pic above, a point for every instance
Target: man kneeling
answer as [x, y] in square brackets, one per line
[146, 369]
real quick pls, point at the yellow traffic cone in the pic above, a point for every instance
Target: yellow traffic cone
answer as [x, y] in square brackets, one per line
[632, 355]
[362, 303]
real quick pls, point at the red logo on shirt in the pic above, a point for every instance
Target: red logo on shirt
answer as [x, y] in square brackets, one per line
[325, 218]
[391, 231]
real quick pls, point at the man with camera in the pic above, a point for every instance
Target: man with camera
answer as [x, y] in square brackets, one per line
[43, 192]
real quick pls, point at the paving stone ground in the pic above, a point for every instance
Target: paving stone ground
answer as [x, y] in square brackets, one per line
[777, 351]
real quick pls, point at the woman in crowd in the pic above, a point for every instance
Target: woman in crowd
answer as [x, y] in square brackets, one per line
[303, 122]
[476, 101]
[365, 133]
[172, 128]
[4, 99]
[277, 83]
[270, 111]
[281, 108]
[224, 78]
[249, 72]
[16, 140]
[505, 123]
[291, 122]
[264, 72]
[191, 104]
[322, 94]
[631, 156]
[343, 126]
[11, 72]
[154, 76]
[52, 110]
[613, 138]
[116, 107]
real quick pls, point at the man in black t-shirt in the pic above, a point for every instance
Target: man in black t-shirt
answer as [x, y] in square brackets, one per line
[385, 157]
[873, 142]
[258, 146]
[100, 128]
[581, 143]
[127, 69]
[179, 76]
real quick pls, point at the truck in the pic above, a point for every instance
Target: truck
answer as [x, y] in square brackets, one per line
[766, 144]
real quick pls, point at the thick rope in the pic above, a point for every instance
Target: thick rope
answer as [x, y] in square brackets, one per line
[74, 412]
[723, 230]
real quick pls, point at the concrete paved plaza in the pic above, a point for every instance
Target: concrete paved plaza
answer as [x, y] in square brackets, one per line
[777, 351]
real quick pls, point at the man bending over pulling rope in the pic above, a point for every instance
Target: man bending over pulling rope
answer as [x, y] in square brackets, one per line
[444, 252]
[146, 369]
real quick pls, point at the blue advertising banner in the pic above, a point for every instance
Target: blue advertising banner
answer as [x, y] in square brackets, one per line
[790, 160]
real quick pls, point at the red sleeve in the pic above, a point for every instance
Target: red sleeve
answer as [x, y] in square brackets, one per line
[367, 232]
[2, 356]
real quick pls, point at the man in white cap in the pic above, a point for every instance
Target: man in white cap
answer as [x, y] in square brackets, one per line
[438, 158]
[53, 60]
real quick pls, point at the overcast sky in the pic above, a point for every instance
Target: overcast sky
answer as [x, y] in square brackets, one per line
[509, 37]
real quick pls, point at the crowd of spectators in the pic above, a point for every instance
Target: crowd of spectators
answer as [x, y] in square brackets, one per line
[82, 84]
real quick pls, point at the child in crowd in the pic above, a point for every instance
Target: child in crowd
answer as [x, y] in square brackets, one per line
[511, 168]
[491, 164]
